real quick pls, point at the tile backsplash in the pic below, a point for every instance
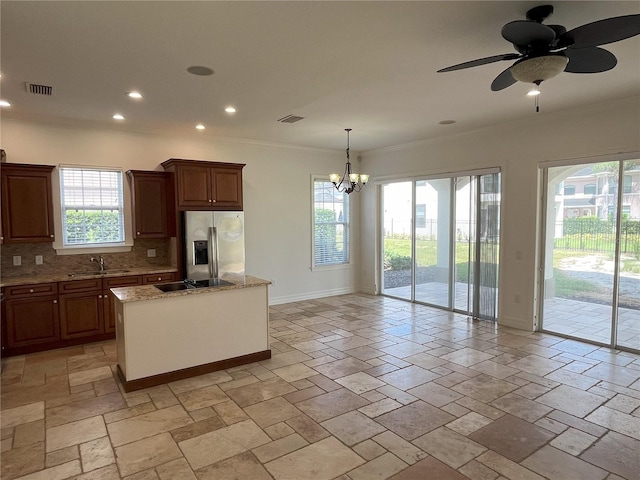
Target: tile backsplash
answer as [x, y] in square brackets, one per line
[53, 263]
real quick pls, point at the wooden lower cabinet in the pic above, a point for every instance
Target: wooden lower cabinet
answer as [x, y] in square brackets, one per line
[81, 314]
[30, 322]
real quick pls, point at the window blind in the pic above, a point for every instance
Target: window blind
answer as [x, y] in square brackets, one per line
[92, 206]
[331, 233]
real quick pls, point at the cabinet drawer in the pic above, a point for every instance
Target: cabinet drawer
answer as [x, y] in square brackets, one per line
[81, 285]
[34, 290]
[122, 281]
[159, 277]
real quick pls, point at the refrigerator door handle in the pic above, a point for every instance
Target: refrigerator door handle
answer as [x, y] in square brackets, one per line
[213, 257]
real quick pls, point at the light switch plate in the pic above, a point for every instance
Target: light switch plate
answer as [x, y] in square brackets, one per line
[17, 260]
[39, 260]
[151, 252]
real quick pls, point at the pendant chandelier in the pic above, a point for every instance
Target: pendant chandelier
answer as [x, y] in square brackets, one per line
[350, 182]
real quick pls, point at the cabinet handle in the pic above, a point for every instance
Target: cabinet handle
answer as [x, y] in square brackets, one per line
[51, 236]
[159, 279]
[210, 200]
[137, 233]
[31, 290]
[55, 301]
[214, 201]
[99, 296]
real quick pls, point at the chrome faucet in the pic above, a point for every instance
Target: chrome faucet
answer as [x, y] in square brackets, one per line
[100, 262]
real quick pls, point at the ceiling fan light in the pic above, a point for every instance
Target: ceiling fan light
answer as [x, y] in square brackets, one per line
[533, 92]
[537, 69]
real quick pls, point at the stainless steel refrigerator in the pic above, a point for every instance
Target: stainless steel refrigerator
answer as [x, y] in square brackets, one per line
[213, 244]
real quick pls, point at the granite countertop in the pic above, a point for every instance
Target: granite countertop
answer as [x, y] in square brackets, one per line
[62, 277]
[150, 292]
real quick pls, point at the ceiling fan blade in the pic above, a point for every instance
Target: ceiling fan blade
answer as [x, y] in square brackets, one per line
[481, 61]
[602, 32]
[525, 32]
[589, 60]
[502, 81]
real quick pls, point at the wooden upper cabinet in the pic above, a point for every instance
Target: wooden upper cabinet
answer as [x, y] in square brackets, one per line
[27, 206]
[206, 185]
[153, 204]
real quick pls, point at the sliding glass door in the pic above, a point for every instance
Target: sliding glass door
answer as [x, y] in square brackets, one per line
[591, 287]
[440, 242]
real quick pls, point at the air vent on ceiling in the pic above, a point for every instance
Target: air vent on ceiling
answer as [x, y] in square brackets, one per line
[290, 119]
[39, 89]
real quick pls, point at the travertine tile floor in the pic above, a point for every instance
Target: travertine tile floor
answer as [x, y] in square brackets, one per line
[359, 387]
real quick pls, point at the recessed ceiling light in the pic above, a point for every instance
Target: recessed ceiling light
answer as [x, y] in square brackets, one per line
[200, 70]
[4, 103]
[447, 122]
[200, 126]
[230, 109]
[118, 116]
[134, 94]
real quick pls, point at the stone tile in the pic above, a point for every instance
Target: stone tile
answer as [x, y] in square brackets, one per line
[429, 468]
[146, 453]
[224, 443]
[342, 368]
[294, 372]
[381, 467]
[88, 376]
[202, 397]
[129, 412]
[260, 391]
[466, 357]
[623, 403]
[484, 388]
[536, 365]
[615, 453]
[512, 437]
[435, 394]
[414, 420]
[369, 449]
[495, 369]
[271, 411]
[201, 381]
[557, 465]
[307, 428]
[59, 472]
[408, 377]
[196, 429]
[577, 423]
[279, 430]
[425, 360]
[75, 433]
[23, 414]
[402, 449]
[331, 404]
[573, 441]
[521, 407]
[568, 377]
[105, 473]
[175, 470]
[571, 400]
[616, 421]
[352, 427]
[230, 412]
[360, 382]
[280, 447]
[613, 374]
[295, 397]
[28, 433]
[242, 467]
[469, 423]
[22, 461]
[449, 447]
[96, 454]
[61, 456]
[507, 468]
[477, 471]
[378, 408]
[323, 460]
[148, 425]
[397, 394]
[84, 408]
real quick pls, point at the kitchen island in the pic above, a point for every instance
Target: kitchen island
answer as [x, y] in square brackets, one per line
[168, 336]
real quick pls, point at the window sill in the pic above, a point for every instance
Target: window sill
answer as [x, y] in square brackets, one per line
[93, 249]
[338, 266]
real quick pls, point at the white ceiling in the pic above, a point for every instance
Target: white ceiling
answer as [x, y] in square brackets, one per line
[370, 66]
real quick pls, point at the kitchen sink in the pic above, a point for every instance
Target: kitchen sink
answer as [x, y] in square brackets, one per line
[192, 284]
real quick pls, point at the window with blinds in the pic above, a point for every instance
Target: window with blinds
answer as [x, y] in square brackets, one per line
[331, 233]
[92, 206]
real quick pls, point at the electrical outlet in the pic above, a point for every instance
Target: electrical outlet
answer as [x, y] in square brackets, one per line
[516, 298]
[17, 260]
[273, 281]
[151, 252]
[39, 260]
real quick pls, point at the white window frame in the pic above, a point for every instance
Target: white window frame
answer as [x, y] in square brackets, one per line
[346, 226]
[90, 248]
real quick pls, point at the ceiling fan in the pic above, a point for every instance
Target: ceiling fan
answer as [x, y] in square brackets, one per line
[545, 51]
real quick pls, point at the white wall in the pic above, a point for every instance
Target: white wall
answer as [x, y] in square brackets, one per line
[277, 191]
[519, 149]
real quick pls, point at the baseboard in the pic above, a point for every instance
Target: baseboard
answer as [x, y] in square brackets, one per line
[310, 295]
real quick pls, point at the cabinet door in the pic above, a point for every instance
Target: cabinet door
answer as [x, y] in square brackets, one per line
[31, 321]
[227, 188]
[27, 208]
[150, 204]
[109, 300]
[81, 314]
[194, 186]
